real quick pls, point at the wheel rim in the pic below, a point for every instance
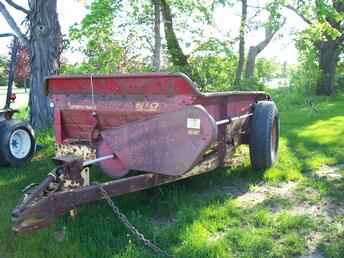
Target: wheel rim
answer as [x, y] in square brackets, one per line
[20, 144]
[274, 140]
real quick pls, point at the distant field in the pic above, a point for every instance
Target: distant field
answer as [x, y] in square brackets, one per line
[21, 101]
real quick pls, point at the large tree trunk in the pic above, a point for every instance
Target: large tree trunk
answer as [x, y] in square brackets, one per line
[328, 56]
[178, 58]
[45, 48]
[157, 36]
[242, 33]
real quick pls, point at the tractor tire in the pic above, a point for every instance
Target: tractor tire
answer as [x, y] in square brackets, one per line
[17, 143]
[264, 135]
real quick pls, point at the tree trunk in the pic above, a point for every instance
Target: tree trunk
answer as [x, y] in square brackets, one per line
[328, 56]
[257, 49]
[157, 36]
[251, 62]
[45, 49]
[241, 43]
[178, 58]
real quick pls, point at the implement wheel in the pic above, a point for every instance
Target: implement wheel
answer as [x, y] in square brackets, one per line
[17, 143]
[264, 135]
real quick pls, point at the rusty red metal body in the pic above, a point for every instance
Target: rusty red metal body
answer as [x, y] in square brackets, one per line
[123, 110]
[158, 124]
[121, 99]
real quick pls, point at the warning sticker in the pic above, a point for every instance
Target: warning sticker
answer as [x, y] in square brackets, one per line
[193, 123]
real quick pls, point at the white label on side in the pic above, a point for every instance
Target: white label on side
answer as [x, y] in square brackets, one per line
[193, 123]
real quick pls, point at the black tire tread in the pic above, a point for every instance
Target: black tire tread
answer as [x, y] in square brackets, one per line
[265, 112]
[6, 128]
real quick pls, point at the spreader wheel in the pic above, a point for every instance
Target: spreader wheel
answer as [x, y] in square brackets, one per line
[112, 167]
[264, 135]
[17, 142]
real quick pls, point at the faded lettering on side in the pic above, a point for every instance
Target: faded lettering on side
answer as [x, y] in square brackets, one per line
[147, 106]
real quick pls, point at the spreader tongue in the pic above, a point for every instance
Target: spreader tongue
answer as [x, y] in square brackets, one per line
[24, 217]
[29, 224]
[38, 209]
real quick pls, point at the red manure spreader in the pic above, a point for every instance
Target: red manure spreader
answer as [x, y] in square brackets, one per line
[143, 130]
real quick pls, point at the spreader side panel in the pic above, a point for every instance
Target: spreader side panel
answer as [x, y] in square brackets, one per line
[143, 84]
[169, 143]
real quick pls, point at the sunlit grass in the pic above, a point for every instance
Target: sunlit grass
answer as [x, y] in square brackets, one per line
[309, 138]
[288, 166]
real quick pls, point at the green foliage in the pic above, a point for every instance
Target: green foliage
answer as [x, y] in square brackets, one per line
[3, 70]
[268, 68]
[251, 85]
[340, 75]
[325, 18]
[96, 30]
[214, 62]
[199, 10]
[304, 77]
[115, 36]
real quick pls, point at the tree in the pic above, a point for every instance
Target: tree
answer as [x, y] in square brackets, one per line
[271, 28]
[326, 32]
[157, 36]
[242, 35]
[44, 43]
[177, 56]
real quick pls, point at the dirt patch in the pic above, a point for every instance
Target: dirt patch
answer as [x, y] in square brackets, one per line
[313, 255]
[263, 192]
[324, 211]
[330, 172]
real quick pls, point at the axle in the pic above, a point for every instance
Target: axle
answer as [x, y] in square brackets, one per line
[94, 161]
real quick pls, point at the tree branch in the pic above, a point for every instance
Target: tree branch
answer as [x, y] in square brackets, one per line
[13, 25]
[3, 35]
[17, 6]
[292, 8]
[340, 39]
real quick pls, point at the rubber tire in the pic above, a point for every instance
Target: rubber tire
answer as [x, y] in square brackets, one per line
[6, 129]
[260, 140]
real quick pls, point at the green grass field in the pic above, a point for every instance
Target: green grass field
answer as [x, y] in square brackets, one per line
[210, 215]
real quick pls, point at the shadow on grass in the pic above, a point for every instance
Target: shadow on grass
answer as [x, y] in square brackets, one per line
[165, 214]
[310, 139]
[169, 215]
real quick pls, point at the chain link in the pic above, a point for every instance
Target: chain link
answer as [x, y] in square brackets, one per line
[148, 243]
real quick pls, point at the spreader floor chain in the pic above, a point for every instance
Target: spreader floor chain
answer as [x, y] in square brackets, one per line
[148, 243]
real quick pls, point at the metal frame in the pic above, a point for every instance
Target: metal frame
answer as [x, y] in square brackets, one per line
[41, 208]
[6, 112]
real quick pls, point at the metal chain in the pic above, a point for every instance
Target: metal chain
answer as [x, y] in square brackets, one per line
[148, 243]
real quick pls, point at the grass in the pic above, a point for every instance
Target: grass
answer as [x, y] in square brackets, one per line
[309, 138]
[201, 216]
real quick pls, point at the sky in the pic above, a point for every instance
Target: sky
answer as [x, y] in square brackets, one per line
[227, 20]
